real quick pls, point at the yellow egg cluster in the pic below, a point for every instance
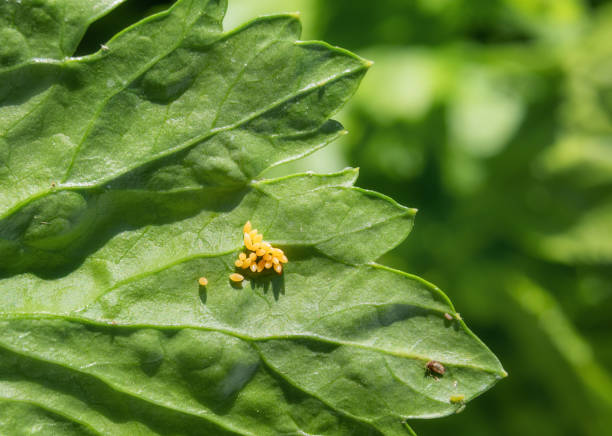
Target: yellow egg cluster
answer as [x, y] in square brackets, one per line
[261, 254]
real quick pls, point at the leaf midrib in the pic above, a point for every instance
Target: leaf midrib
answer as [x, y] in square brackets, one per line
[192, 142]
[207, 415]
[75, 317]
[200, 138]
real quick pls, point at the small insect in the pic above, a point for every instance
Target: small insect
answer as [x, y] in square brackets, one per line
[457, 398]
[448, 316]
[235, 277]
[103, 47]
[203, 281]
[436, 367]
[53, 185]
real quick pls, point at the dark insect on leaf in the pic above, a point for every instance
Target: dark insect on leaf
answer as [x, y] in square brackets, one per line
[434, 366]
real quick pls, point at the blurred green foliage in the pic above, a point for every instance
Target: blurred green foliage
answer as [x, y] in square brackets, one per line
[494, 118]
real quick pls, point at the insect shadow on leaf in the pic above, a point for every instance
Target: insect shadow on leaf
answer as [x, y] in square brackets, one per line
[202, 290]
[450, 321]
[236, 280]
[267, 282]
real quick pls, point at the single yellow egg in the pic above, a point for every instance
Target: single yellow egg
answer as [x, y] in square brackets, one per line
[235, 277]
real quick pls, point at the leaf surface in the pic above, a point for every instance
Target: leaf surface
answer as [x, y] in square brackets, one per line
[31, 31]
[128, 174]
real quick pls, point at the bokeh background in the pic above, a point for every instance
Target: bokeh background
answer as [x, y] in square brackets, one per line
[494, 119]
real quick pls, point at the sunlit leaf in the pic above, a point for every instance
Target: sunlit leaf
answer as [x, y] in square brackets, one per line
[128, 175]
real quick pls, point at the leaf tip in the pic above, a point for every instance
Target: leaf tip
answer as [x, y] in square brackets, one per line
[297, 15]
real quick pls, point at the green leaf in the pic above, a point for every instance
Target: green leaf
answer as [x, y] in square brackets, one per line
[128, 174]
[32, 31]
